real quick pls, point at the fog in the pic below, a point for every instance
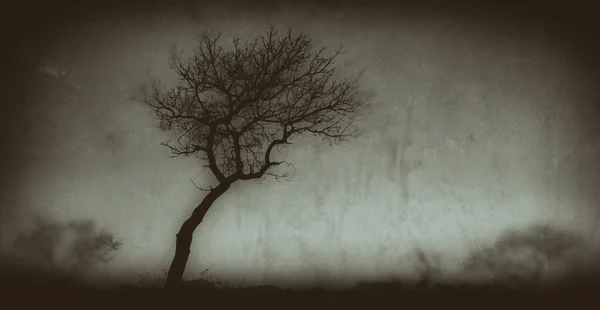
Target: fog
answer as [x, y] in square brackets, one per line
[475, 128]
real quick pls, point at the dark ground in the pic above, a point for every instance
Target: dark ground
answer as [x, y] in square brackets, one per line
[19, 292]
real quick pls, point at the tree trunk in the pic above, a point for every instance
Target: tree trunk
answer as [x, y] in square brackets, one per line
[185, 234]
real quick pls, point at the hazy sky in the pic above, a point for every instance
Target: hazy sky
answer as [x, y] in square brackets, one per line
[476, 127]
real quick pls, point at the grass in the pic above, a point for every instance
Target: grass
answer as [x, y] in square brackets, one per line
[28, 294]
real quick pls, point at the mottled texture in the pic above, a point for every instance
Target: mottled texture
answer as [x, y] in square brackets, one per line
[478, 125]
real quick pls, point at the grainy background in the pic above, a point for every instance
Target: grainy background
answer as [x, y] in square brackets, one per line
[484, 120]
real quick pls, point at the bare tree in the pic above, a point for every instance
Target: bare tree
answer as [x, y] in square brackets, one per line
[233, 107]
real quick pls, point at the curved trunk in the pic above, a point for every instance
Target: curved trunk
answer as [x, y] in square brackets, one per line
[185, 234]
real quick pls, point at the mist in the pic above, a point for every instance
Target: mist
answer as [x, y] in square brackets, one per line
[478, 124]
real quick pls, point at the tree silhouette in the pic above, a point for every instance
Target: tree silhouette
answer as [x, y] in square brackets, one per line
[233, 107]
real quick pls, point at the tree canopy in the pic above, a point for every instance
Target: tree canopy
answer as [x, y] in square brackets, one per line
[232, 107]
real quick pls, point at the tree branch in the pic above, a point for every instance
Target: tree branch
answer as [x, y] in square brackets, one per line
[235, 106]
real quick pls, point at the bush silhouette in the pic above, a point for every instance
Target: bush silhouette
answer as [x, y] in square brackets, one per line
[522, 257]
[63, 249]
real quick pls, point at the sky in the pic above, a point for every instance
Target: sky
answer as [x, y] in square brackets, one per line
[479, 124]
